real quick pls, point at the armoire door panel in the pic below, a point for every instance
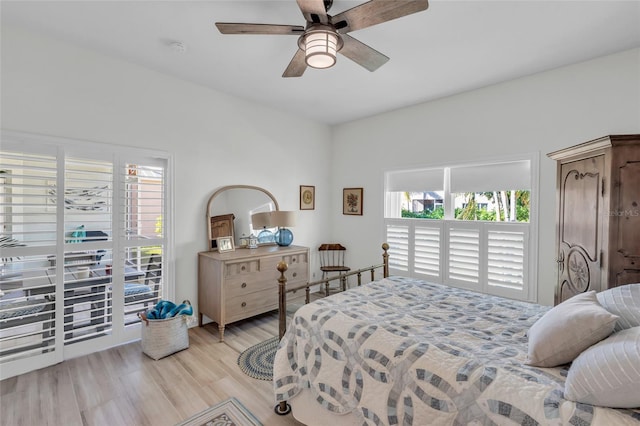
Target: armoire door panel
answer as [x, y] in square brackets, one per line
[627, 213]
[580, 205]
[577, 272]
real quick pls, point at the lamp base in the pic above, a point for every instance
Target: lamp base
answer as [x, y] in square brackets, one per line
[284, 237]
[266, 236]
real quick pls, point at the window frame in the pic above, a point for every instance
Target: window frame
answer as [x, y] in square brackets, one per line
[408, 247]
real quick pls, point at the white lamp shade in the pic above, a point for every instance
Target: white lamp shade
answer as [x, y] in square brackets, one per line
[261, 220]
[283, 219]
[280, 219]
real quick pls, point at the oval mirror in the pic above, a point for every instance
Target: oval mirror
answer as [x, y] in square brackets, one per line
[230, 208]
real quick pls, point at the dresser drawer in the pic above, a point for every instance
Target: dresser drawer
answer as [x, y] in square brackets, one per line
[297, 266]
[296, 260]
[250, 283]
[250, 304]
[296, 274]
[234, 269]
[269, 267]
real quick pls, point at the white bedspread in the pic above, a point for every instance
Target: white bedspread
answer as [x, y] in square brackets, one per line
[404, 351]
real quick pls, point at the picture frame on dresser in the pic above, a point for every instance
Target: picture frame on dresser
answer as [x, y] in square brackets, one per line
[225, 244]
[221, 226]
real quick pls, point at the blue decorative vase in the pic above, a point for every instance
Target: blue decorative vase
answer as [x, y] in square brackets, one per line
[265, 236]
[284, 237]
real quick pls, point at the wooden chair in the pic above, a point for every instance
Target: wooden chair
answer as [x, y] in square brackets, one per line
[332, 257]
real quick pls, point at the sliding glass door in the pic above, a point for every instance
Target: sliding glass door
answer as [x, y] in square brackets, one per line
[84, 247]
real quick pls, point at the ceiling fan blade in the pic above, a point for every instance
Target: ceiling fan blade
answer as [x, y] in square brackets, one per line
[297, 66]
[362, 54]
[235, 28]
[314, 11]
[375, 12]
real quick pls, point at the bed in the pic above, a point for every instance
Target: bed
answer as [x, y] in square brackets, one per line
[405, 351]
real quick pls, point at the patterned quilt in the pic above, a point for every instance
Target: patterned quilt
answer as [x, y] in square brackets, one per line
[404, 351]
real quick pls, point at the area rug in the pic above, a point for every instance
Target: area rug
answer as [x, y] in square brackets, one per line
[228, 413]
[257, 361]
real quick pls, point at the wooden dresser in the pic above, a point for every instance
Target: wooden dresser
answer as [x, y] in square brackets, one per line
[244, 283]
[598, 222]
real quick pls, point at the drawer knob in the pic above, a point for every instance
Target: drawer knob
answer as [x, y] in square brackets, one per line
[243, 268]
[243, 285]
[295, 274]
[244, 304]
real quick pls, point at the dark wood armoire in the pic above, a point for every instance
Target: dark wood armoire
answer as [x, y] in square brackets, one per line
[598, 218]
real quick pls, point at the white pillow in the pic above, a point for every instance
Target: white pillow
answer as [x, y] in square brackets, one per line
[623, 301]
[567, 329]
[608, 373]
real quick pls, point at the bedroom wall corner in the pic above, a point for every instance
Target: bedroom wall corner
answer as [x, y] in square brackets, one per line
[54, 88]
[538, 113]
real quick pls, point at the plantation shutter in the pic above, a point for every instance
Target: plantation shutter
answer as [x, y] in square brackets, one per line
[464, 255]
[398, 240]
[143, 203]
[28, 252]
[88, 193]
[507, 260]
[427, 251]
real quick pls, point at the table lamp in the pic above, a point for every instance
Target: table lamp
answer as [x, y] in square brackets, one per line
[262, 221]
[283, 220]
[280, 219]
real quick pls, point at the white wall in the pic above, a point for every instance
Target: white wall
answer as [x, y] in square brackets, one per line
[539, 113]
[56, 89]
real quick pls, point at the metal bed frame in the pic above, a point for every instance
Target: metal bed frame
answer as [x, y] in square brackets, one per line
[283, 408]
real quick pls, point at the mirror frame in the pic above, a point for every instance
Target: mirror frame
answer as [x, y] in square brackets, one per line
[226, 188]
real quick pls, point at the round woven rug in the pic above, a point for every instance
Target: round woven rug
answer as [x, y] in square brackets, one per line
[257, 361]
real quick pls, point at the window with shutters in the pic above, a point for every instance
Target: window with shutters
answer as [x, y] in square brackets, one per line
[84, 241]
[465, 225]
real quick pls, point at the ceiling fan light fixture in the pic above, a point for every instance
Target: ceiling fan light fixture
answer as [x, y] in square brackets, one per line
[320, 44]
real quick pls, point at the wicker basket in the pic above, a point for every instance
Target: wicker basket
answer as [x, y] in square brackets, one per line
[163, 337]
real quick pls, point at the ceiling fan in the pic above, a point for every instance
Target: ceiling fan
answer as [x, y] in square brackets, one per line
[324, 35]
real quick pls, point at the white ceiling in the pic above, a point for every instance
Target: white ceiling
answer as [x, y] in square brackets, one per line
[452, 47]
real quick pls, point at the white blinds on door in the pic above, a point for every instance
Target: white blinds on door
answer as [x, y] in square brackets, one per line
[88, 191]
[28, 250]
[143, 204]
[84, 243]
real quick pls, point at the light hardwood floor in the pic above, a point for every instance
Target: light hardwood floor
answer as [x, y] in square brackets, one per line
[122, 386]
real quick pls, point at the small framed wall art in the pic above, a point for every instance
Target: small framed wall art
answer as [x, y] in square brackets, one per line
[225, 244]
[307, 197]
[352, 201]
